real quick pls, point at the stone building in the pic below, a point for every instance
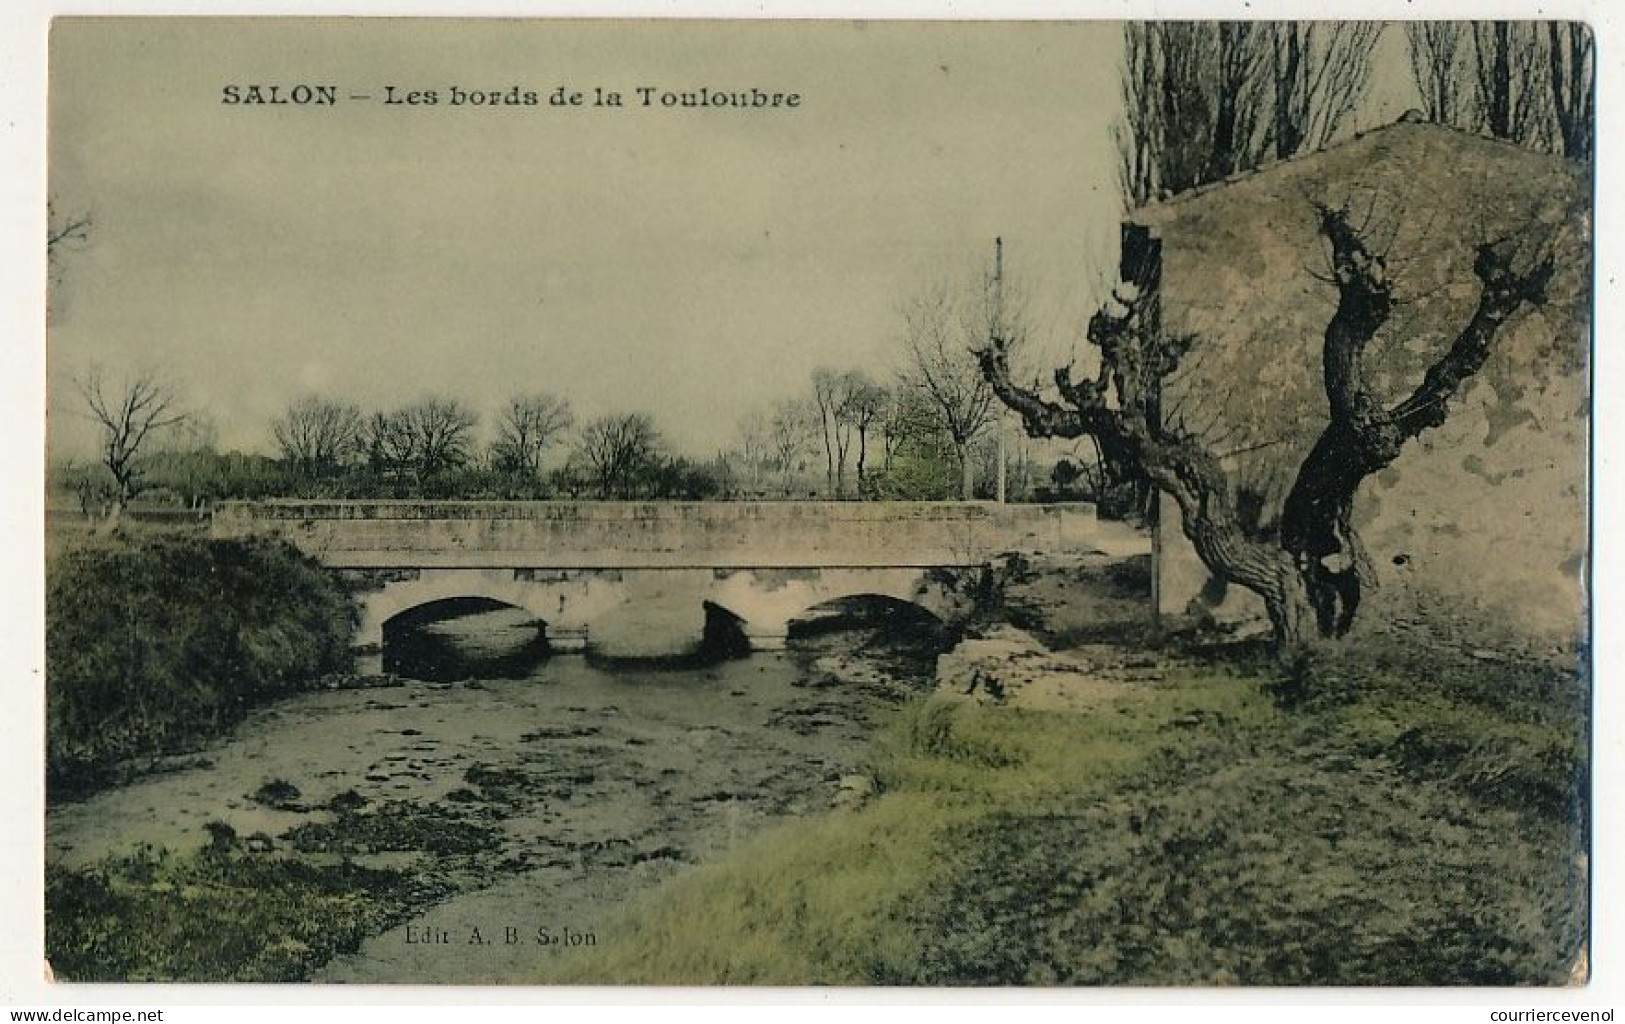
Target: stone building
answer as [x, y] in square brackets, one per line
[1478, 532]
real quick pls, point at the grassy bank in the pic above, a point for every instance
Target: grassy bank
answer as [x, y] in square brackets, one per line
[1400, 819]
[156, 645]
[213, 916]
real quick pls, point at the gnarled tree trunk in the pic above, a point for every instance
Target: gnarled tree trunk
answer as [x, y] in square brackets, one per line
[1312, 574]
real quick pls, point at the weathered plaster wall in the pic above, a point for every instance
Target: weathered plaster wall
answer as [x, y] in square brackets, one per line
[1480, 527]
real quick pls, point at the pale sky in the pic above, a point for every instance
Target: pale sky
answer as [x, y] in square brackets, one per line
[683, 263]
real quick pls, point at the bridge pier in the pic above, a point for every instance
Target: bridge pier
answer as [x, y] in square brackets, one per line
[566, 639]
[766, 636]
[368, 659]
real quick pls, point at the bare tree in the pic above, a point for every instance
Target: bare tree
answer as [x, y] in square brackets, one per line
[1239, 60]
[1572, 64]
[865, 408]
[1511, 101]
[907, 417]
[62, 232]
[1321, 72]
[440, 432]
[425, 438]
[530, 424]
[755, 449]
[618, 448]
[832, 395]
[790, 432]
[387, 441]
[1194, 104]
[942, 333]
[1164, 136]
[1525, 82]
[317, 436]
[129, 415]
[1311, 572]
[1440, 67]
[1203, 100]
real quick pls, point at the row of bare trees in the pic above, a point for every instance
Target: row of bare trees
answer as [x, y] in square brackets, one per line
[1204, 100]
[1525, 82]
[615, 455]
[321, 437]
[151, 443]
[935, 414]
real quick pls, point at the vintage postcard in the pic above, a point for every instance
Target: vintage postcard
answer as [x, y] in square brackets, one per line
[550, 502]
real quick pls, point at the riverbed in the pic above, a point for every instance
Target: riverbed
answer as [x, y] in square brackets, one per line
[591, 783]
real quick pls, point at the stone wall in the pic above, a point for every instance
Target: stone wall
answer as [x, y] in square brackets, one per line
[1480, 527]
[566, 535]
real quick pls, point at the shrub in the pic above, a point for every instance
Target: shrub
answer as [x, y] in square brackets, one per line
[154, 646]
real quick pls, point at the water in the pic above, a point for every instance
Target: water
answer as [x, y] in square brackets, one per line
[625, 775]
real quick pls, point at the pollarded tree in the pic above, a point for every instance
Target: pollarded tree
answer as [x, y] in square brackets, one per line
[1310, 572]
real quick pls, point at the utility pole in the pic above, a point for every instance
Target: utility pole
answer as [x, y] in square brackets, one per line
[998, 329]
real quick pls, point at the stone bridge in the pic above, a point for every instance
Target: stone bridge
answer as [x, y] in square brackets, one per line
[640, 578]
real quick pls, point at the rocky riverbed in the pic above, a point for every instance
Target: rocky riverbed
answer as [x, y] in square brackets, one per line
[521, 808]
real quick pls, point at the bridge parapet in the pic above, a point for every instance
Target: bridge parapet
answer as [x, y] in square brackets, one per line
[650, 535]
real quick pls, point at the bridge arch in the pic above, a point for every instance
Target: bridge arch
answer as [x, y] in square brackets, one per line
[867, 610]
[447, 607]
[424, 641]
[768, 601]
[428, 588]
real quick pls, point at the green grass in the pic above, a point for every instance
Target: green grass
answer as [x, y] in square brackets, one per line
[213, 916]
[237, 912]
[1399, 822]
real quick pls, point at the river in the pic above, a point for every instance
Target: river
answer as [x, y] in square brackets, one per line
[598, 781]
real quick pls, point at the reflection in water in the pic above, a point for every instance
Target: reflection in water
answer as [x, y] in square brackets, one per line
[884, 622]
[464, 638]
[477, 638]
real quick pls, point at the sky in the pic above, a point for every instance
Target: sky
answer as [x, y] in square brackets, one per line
[691, 264]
